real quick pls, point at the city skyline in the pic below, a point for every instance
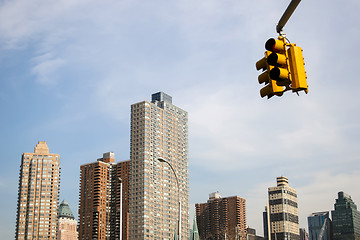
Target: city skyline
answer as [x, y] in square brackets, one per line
[71, 70]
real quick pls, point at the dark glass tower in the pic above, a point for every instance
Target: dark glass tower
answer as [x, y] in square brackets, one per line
[346, 218]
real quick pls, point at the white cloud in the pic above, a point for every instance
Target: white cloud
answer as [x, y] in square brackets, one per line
[46, 68]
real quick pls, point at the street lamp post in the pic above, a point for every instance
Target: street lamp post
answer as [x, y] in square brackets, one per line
[177, 183]
[121, 199]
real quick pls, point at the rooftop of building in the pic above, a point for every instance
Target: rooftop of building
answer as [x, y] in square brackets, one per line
[161, 97]
[319, 214]
[41, 148]
[64, 210]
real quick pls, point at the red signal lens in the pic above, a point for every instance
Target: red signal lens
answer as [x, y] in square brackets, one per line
[270, 45]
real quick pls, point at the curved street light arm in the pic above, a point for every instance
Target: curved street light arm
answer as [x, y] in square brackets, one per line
[178, 186]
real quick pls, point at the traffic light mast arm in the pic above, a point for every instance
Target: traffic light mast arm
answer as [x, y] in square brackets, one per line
[286, 15]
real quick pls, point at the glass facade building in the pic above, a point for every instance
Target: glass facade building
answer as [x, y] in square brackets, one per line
[345, 218]
[319, 223]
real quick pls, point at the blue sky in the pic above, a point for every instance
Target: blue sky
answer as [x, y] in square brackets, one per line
[71, 69]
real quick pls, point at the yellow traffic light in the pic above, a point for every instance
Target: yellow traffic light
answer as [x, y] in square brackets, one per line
[297, 69]
[279, 59]
[283, 68]
[276, 45]
[271, 87]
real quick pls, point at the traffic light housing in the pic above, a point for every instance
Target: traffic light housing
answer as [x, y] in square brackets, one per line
[297, 69]
[271, 87]
[279, 60]
[283, 68]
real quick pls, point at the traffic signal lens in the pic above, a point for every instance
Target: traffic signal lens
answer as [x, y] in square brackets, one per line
[275, 59]
[270, 44]
[279, 74]
[275, 73]
[275, 45]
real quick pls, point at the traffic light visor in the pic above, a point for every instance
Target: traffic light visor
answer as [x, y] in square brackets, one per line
[261, 64]
[275, 45]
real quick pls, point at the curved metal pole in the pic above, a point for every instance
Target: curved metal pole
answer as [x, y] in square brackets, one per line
[286, 15]
[177, 183]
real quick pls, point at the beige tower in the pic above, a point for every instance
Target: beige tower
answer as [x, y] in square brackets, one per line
[67, 225]
[38, 196]
[158, 130]
[282, 211]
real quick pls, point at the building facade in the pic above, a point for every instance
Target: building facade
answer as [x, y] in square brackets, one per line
[38, 195]
[283, 219]
[159, 129]
[102, 186]
[221, 218]
[67, 225]
[345, 218]
[319, 225]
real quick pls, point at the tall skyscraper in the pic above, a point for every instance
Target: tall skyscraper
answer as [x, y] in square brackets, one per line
[319, 224]
[38, 196]
[222, 218]
[345, 218]
[283, 211]
[67, 225]
[159, 129]
[100, 199]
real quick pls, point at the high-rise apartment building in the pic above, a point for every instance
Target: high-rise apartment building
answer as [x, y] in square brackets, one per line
[67, 225]
[100, 204]
[121, 174]
[345, 218]
[159, 129]
[222, 218]
[319, 225]
[283, 219]
[38, 196]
